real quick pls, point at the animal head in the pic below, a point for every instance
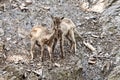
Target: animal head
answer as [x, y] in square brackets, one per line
[56, 21]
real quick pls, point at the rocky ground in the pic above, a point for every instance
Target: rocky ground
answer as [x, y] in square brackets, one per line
[100, 28]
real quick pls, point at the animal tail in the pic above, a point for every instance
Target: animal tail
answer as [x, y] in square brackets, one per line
[77, 35]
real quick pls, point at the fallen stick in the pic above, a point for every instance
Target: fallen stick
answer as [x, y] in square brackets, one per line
[89, 46]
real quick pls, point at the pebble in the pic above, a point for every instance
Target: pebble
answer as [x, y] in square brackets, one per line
[8, 38]
[1, 32]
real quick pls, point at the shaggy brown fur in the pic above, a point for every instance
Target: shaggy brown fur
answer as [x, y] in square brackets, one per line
[43, 37]
[66, 28]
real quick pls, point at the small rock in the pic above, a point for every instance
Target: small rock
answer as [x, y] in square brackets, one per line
[1, 46]
[85, 6]
[91, 62]
[2, 7]
[1, 32]
[2, 73]
[8, 38]
[92, 59]
[28, 2]
[13, 78]
[46, 7]
[39, 64]
[7, 48]
[14, 6]
[79, 64]
[90, 17]
[39, 72]
[57, 65]
[23, 7]
[14, 42]
[21, 35]
[16, 62]
[95, 36]
[1, 23]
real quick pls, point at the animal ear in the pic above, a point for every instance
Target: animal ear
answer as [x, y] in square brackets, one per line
[62, 18]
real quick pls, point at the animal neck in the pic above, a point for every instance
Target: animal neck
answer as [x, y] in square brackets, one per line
[51, 36]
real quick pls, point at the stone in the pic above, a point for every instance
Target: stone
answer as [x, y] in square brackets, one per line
[57, 65]
[39, 72]
[28, 2]
[1, 22]
[1, 46]
[1, 32]
[91, 62]
[8, 38]
[79, 64]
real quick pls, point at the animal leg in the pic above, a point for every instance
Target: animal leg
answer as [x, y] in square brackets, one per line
[42, 49]
[68, 37]
[54, 44]
[50, 53]
[61, 46]
[71, 34]
[32, 47]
